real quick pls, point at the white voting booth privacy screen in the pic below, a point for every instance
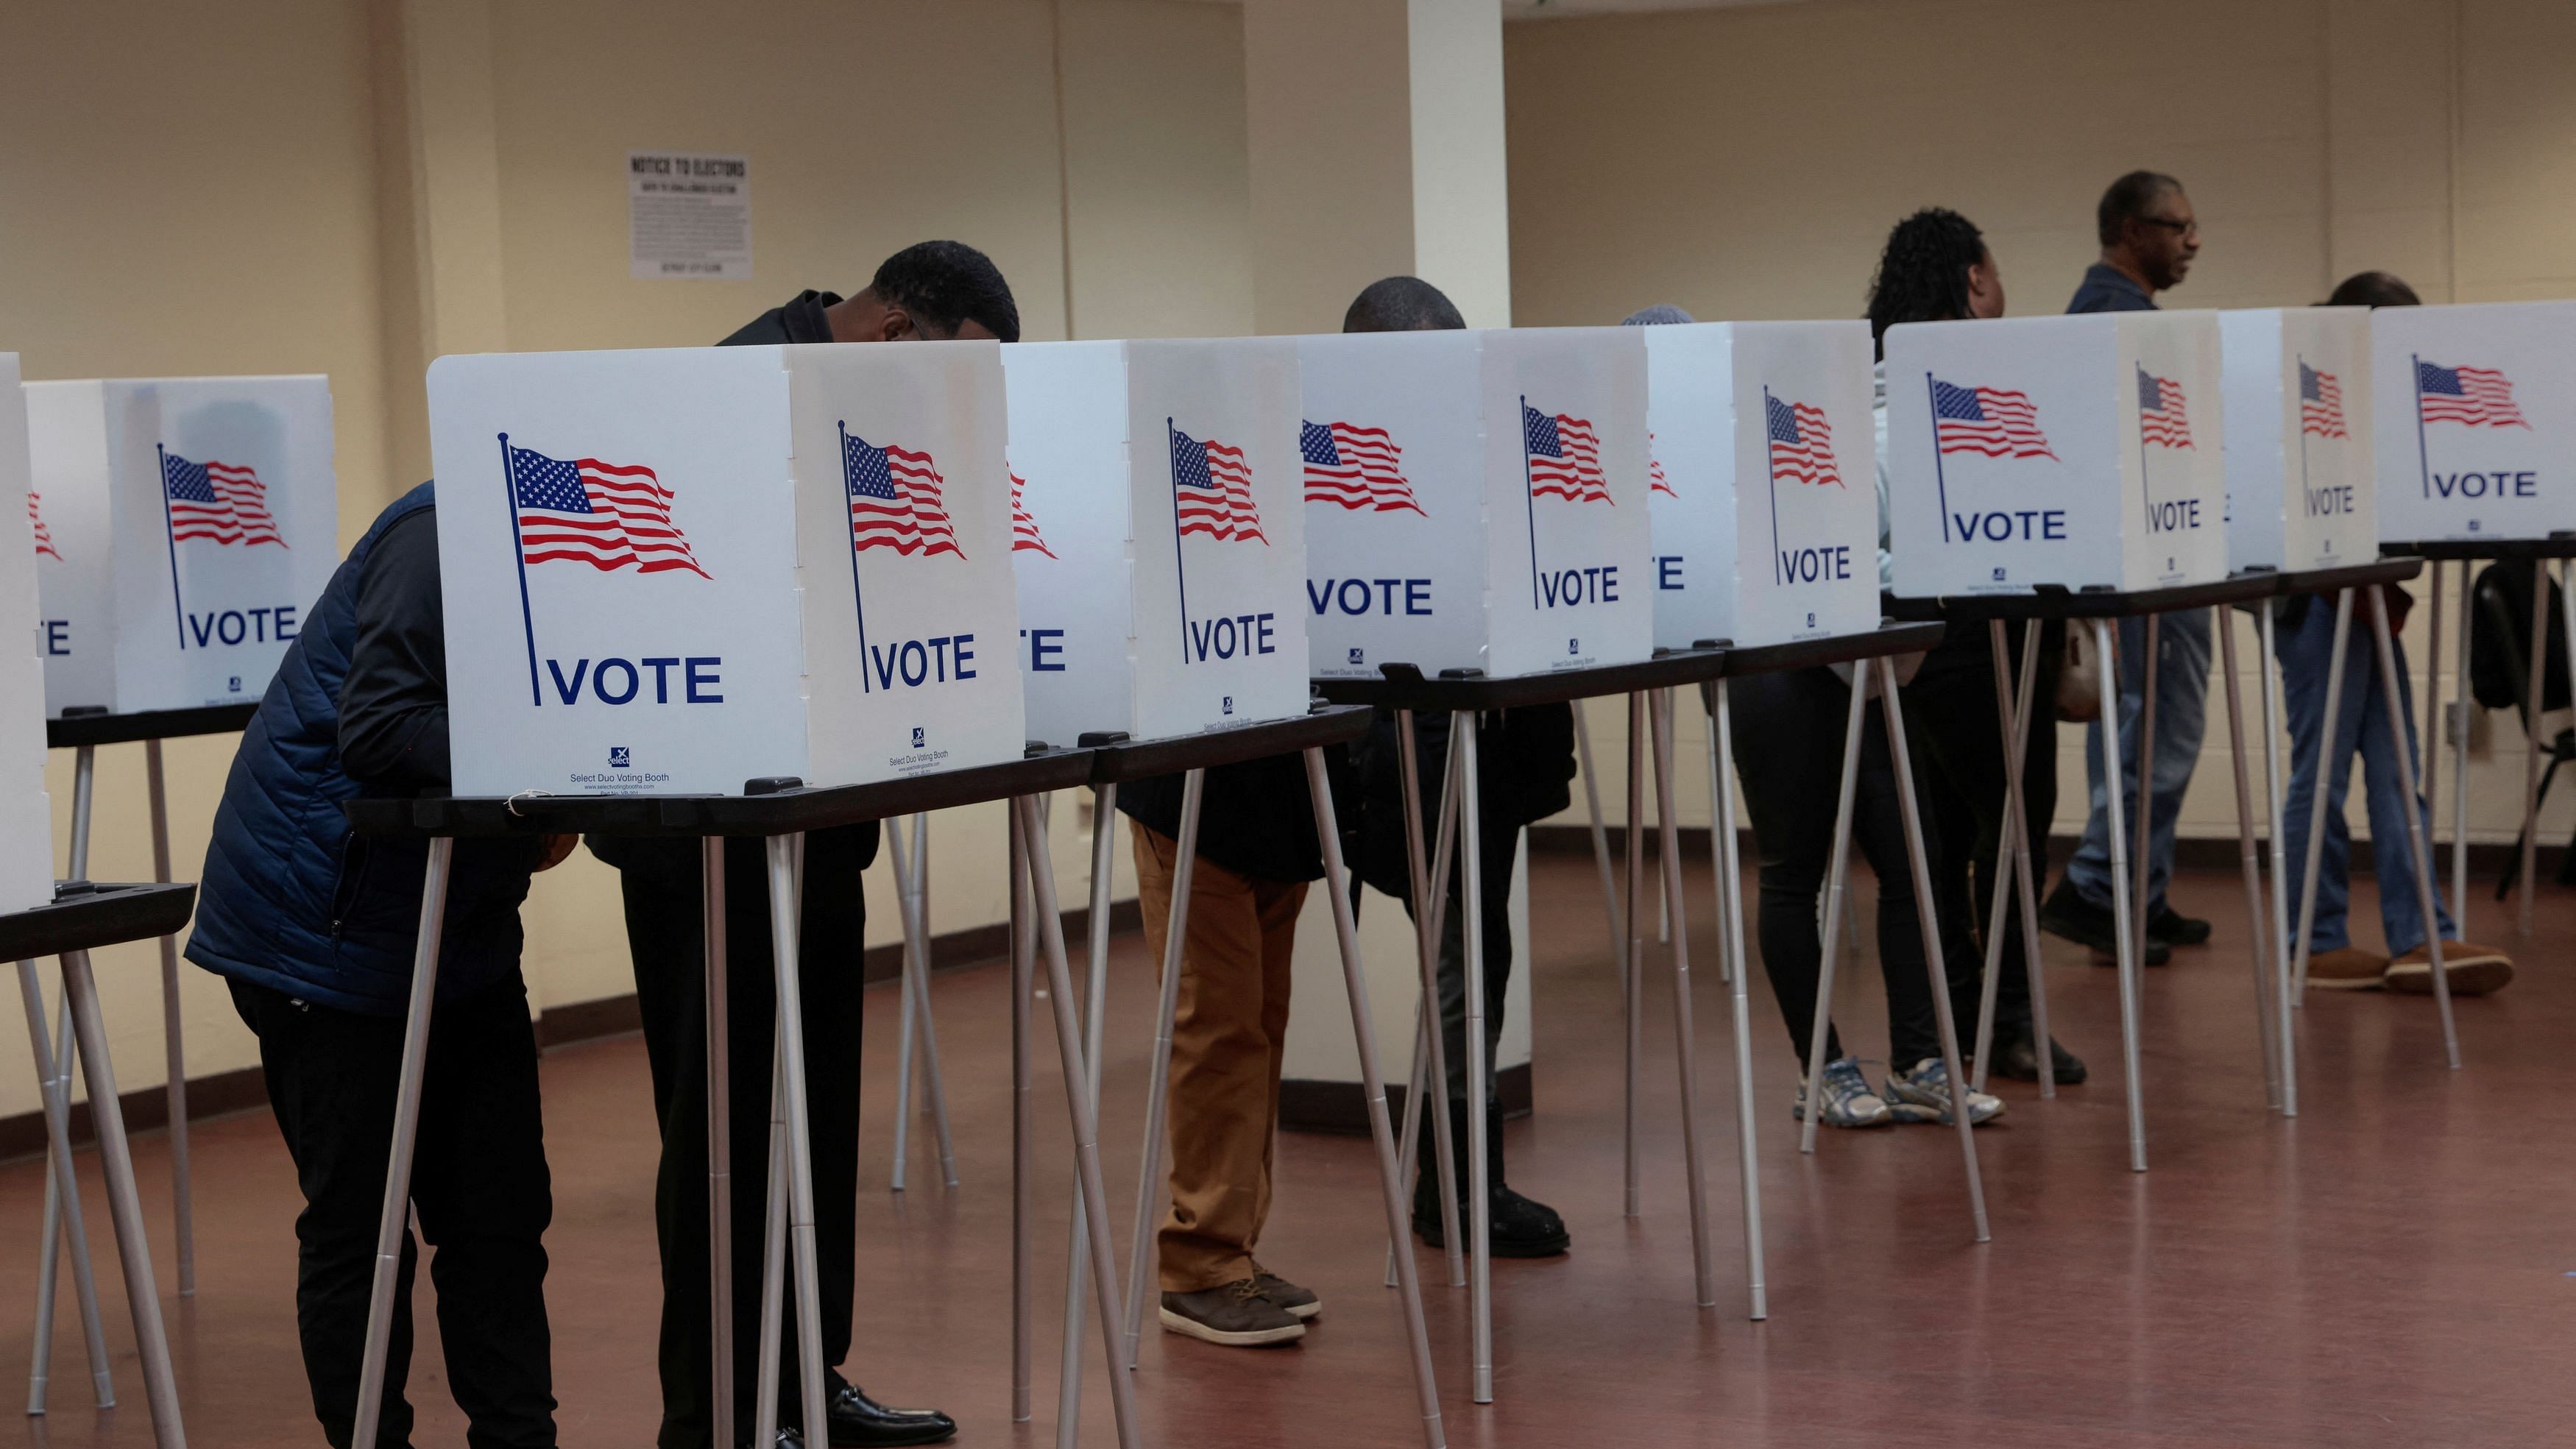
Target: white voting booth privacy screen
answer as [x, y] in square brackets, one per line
[1764, 493]
[2477, 410]
[2299, 485]
[677, 571]
[26, 817]
[1476, 500]
[191, 523]
[2083, 452]
[1158, 545]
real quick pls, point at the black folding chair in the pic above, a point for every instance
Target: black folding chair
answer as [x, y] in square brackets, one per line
[2503, 594]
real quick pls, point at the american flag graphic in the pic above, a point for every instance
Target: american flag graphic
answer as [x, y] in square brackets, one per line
[1802, 443]
[1656, 482]
[1025, 537]
[610, 516]
[2162, 418]
[2320, 403]
[1355, 467]
[2481, 397]
[221, 501]
[1995, 421]
[44, 535]
[1564, 457]
[1212, 489]
[894, 500]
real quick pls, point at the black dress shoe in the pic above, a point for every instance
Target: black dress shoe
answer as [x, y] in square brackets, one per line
[858, 1421]
[2067, 914]
[2176, 929]
[2016, 1059]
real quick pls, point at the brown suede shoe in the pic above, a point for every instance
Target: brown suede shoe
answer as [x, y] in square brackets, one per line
[1300, 1303]
[2474, 970]
[2347, 968]
[1237, 1315]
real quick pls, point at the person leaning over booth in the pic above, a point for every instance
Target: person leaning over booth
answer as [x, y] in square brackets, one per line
[937, 290]
[2305, 647]
[2149, 241]
[1525, 766]
[314, 929]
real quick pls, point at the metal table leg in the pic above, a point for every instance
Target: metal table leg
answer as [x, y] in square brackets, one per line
[2326, 753]
[2141, 862]
[1927, 916]
[1632, 959]
[1104, 838]
[1355, 983]
[2127, 945]
[63, 1212]
[2275, 780]
[2433, 718]
[711, 888]
[394, 1222]
[1836, 873]
[2460, 770]
[125, 1206]
[1023, 1179]
[1685, 1018]
[2535, 745]
[1077, 1092]
[1429, 1081]
[62, 1191]
[1730, 887]
[912, 898]
[2247, 856]
[903, 1011]
[183, 1218]
[1149, 1194]
[1471, 923]
[2013, 714]
[785, 920]
[2419, 850]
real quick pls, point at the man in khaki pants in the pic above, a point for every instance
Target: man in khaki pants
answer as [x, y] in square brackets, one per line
[1256, 855]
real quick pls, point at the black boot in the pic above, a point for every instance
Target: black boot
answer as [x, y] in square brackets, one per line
[1516, 1226]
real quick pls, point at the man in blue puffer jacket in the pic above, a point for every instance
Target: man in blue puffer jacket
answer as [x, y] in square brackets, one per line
[315, 930]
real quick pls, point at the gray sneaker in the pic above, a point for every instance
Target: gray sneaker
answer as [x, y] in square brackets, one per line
[1847, 1099]
[1237, 1314]
[1923, 1095]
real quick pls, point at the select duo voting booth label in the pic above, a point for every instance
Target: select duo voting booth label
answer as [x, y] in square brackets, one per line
[675, 571]
[2475, 407]
[1476, 500]
[1764, 487]
[2299, 482]
[185, 525]
[2081, 452]
[26, 816]
[1158, 541]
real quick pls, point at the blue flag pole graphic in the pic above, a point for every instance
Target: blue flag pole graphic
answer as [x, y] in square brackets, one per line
[170, 535]
[866, 684]
[1180, 571]
[519, 552]
[1529, 499]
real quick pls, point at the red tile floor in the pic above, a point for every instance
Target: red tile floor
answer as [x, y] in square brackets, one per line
[2397, 1266]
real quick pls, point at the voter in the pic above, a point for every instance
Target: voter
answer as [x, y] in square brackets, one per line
[314, 930]
[1525, 760]
[2149, 239]
[934, 290]
[2305, 647]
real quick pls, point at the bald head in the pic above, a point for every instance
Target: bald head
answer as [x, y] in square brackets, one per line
[1402, 304]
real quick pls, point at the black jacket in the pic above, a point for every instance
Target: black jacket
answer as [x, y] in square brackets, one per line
[1524, 771]
[1255, 818]
[838, 853]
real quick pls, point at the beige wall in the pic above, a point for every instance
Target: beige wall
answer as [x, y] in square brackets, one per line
[353, 186]
[1746, 163]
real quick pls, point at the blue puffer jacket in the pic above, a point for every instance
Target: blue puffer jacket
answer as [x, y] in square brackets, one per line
[290, 899]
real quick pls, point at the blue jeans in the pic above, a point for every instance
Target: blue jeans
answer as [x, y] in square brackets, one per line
[2361, 727]
[2182, 686]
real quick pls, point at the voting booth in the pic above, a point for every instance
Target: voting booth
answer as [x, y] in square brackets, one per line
[187, 524]
[2299, 485]
[2082, 452]
[1763, 484]
[1157, 541]
[712, 565]
[2477, 406]
[26, 816]
[1476, 500]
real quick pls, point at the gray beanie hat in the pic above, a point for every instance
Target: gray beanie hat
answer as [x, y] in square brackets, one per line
[1658, 315]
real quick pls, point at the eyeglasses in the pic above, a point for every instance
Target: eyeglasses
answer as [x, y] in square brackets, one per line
[2186, 228]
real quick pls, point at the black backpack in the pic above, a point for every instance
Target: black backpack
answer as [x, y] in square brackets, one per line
[2500, 639]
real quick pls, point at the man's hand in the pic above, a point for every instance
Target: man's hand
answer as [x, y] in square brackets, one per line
[558, 850]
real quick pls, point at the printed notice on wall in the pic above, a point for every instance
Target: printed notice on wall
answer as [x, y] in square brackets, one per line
[688, 215]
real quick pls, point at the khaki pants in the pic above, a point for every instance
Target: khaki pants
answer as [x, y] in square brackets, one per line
[1228, 1033]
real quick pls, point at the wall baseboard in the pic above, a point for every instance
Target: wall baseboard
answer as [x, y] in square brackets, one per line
[2487, 859]
[1307, 1105]
[214, 1095]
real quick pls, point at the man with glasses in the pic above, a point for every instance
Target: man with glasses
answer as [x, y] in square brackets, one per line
[2149, 240]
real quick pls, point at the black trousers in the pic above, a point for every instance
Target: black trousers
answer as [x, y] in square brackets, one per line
[1959, 753]
[478, 1184]
[1788, 738]
[664, 915]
